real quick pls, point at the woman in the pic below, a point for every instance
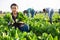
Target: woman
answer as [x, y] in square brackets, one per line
[15, 20]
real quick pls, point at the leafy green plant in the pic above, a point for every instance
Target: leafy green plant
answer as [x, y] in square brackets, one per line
[40, 28]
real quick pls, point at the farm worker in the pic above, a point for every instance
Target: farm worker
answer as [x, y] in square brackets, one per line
[59, 11]
[50, 13]
[59, 15]
[15, 19]
[30, 11]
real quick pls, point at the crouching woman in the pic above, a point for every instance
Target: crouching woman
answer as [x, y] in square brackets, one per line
[15, 19]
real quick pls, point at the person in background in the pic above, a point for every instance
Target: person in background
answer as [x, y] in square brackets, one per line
[59, 15]
[15, 19]
[50, 13]
[31, 11]
[59, 11]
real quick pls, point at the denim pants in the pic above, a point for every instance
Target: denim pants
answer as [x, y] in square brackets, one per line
[50, 14]
[24, 28]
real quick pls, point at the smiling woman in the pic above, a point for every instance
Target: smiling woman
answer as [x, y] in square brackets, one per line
[24, 4]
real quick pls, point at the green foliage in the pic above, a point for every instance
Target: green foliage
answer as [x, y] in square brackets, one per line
[40, 28]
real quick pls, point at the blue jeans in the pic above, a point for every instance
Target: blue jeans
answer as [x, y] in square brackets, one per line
[32, 14]
[28, 14]
[50, 14]
[50, 20]
[24, 28]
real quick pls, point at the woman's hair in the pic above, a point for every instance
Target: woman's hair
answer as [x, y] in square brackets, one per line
[13, 5]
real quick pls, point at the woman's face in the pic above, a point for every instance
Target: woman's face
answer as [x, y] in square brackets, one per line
[14, 8]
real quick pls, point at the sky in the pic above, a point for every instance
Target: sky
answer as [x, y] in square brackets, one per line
[24, 4]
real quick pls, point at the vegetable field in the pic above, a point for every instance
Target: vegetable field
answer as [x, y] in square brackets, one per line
[40, 28]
